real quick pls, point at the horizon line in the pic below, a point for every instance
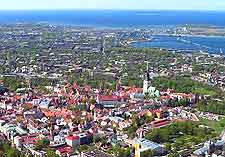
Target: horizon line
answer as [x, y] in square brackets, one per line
[101, 9]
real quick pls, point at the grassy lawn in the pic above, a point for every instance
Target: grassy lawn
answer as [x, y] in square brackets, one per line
[218, 126]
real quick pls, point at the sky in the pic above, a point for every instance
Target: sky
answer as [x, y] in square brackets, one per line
[113, 4]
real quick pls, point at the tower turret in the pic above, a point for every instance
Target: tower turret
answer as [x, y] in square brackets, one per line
[147, 80]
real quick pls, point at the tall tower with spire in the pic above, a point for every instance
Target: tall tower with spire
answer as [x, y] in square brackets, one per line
[147, 80]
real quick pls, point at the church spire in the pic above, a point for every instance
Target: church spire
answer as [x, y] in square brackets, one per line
[147, 80]
[147, 76]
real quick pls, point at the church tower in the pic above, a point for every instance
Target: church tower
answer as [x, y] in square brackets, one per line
[147, 81]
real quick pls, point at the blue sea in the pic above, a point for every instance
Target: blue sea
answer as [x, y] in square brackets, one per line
[132, 19]
[110, 18]
[210, 44]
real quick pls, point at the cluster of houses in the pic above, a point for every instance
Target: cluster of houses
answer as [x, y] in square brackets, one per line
[72, 116]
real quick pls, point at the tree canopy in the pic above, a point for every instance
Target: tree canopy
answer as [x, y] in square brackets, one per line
[42, 143]
[185, 85]
[180, 134]
[212, 106]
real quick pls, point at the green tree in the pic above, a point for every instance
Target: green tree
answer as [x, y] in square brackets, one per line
[185, 85]
[168, 146]
[51, 153]
[96, 138]
[6, 150]
[131, 131]
[83, 148]
[147, 153]
[41, 144]
[173, 155]
[124, 152]
[13, 83]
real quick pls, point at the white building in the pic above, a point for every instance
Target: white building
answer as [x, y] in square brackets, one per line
[145, 145]
[73, 141]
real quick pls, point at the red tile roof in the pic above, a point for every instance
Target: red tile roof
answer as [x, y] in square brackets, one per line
[29, 139]
[58, 113]
[161, 124]
[109, 98]
[71, 137]
[65, 149]
[135, 90]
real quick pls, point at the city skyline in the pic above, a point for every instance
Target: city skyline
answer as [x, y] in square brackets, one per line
[112, 5]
